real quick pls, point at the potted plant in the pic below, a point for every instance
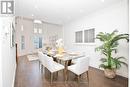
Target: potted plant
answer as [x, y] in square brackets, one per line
[109, 45]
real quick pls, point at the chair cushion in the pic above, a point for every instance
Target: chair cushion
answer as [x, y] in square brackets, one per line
[73, 69]
[55, 67]
[80, 67]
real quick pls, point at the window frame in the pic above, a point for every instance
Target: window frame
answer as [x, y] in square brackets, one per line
[22, 42]
[78, 32]
[90, 34]
[83, 38]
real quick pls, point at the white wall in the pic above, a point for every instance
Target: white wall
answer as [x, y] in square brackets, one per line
[104, 20]
[8, 55]
[1, 56]
[48, 30]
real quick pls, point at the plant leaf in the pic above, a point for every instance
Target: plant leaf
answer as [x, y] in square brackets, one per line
[103, 59]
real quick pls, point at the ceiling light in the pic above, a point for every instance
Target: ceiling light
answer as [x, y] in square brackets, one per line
[35, 6]
[32, 15]
[68, 17]
[37, 21]
[102, 0]
[81, 10]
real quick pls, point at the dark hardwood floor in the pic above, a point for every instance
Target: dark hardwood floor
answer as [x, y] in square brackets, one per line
[28, 75]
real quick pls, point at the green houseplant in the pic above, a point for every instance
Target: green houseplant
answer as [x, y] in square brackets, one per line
[109, 45]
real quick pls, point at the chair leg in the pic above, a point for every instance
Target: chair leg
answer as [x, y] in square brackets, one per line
[87, 76]
[66, 64]
[51, 77]
[60, 61]
[41, 68]
[64, 74]
[39, 65]
[67, 75]
[80, 76]
[78, 79]
[56, 75]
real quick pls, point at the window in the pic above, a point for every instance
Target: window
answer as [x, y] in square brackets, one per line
[22, 42]
[40, 42]
[37, 28]
[86, 36]
[40, 31]
[89, 36]
[37, 42]
[37, 39]
[78, 36]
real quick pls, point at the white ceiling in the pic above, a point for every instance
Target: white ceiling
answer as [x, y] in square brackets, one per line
[59, 11]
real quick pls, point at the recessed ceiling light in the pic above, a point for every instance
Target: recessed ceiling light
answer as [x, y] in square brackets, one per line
[102, 0]
[32, 15]
[35, 6]
[81, 10]
[68, 17]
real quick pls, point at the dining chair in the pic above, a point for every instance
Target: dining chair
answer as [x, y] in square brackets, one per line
[42, 59]
[80, 67]
[53, 66]
[78, 57]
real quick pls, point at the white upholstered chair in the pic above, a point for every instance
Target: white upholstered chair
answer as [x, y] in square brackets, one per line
[42, 59]
[48, 62]
[53, 66]
[80, 67]
[78, 57]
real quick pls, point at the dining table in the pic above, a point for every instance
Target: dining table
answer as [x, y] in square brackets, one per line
[66, 57]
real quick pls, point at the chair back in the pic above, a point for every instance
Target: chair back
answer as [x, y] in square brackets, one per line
[42, 58]
[49, 62]
[82, 64]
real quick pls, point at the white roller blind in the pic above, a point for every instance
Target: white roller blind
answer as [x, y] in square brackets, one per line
[79, 36]
[89, 36]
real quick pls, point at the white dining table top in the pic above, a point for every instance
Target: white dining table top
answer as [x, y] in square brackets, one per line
[68, 56]
[65, 56]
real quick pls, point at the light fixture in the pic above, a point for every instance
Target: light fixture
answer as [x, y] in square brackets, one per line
[102, 0]
[81, 10]
[32, 15]
[37, 21]
[36, 7]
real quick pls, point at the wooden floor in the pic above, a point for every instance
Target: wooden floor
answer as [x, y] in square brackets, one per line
[28, 75]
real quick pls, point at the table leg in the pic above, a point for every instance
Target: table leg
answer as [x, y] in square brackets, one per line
[66, 69]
